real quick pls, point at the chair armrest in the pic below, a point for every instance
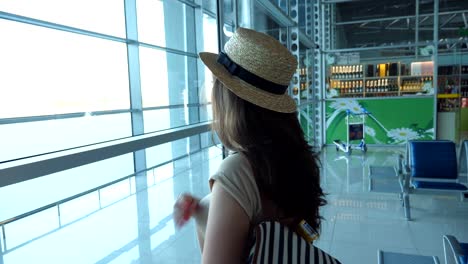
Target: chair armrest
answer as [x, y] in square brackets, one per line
[403, 167]
[452, 243]
[400, 164]
[453, 251]
[403, 173]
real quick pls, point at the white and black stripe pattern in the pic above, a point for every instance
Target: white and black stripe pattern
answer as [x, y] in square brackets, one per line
[276, 243]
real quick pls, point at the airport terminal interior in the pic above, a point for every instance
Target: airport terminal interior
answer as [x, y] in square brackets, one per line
[106, 112]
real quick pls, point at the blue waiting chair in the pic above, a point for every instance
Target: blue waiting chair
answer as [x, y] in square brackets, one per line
[430, 166]
[454, 251]
[386, 257]
[463, 163]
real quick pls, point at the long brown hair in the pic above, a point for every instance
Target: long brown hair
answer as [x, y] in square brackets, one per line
[284, 166]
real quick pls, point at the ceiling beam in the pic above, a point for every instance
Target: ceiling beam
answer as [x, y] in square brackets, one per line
[397, 17]
[464, 20]
[391, 23]
[423, 20]
[448, 20]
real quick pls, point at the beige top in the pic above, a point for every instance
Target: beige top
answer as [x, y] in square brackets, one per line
[236, 177]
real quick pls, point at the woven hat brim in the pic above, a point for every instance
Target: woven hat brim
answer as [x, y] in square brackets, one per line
[282, 103]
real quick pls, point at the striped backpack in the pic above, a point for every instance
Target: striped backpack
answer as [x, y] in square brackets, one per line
[276, 243]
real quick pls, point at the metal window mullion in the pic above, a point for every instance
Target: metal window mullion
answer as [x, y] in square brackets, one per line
[3, 247]
[192, 21]
[276, 13]
[14, 120]
[136, 105]
[416, 28]
[319, 129]
[333, 30]
[175, 20]
[309, 67]
[220, 23]
[200, 82]
[221, 41]
[235, 13]
[209, 13]
[59, 215]
[183, 19]
[50, 25]
[166, 49]
[190, 4]
[139, 156]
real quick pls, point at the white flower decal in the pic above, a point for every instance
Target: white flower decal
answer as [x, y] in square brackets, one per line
[332, 93]
[370, 131]
[339, 105]
[347, 104]
[402, 134]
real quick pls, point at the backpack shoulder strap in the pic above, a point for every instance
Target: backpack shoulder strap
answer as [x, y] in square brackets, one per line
[276, 243]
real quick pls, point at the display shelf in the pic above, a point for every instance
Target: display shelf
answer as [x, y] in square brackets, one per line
[347, 79]
[412, 91]
[452, 96]
[383, 92]
[415, 76]
[384, 79]
[378, 78]
[361, 94]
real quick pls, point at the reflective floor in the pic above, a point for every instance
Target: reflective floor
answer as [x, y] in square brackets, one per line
[132, 223]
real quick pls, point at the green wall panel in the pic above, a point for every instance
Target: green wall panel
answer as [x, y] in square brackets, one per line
[391, 121]
[464, 119]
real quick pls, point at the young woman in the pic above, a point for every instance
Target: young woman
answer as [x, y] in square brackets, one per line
[273, 173]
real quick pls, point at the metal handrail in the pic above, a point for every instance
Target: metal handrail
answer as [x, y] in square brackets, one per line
[60, 202]
[30, 168]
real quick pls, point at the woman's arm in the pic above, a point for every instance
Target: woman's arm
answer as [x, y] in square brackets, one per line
[187, 206]
[201, 218]
[227, 229]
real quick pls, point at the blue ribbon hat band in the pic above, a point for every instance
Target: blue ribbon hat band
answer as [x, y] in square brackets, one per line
[257, 81]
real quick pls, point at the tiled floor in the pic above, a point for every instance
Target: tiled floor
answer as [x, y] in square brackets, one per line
[135, 226]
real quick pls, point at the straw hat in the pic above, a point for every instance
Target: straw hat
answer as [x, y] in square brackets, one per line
[255, 67]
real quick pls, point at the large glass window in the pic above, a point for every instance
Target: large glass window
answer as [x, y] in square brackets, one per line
[155, 85]
[103, 16]
[210, 41]
[31, 138]
[63, 90]
[163, 23]
[151, 22]
[80, 73]
[47, 72]
[154, 79]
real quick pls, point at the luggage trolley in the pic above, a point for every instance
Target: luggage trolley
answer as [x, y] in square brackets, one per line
[355, 131]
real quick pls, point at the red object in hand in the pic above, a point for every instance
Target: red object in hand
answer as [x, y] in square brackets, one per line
[187, 209]
[185, 206]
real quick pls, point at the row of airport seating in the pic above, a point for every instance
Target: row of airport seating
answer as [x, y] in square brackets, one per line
[455, 252]
[429, 167]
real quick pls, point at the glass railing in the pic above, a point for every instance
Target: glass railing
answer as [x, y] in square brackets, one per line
[112, 222]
